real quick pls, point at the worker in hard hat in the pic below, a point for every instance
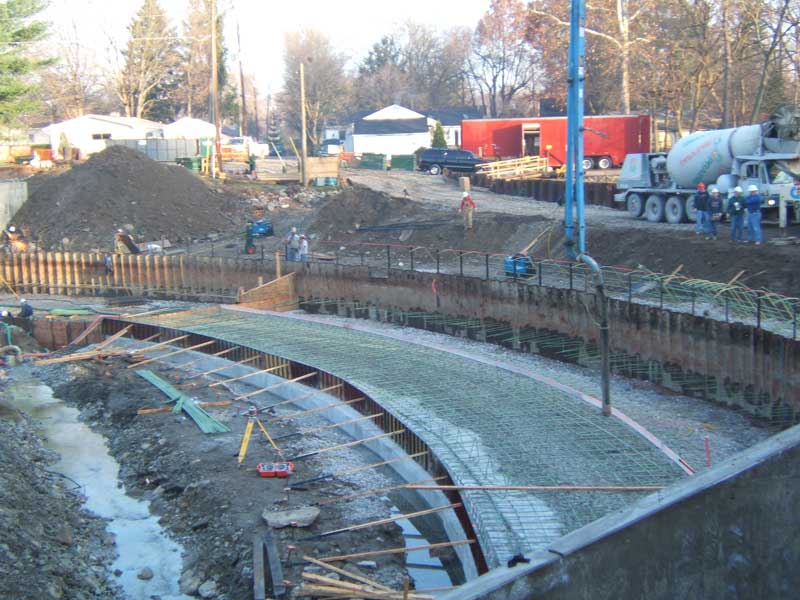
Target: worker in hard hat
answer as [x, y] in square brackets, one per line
[25, 309]
[714, 207]
[701, 205]
[124, 244]
[736, 211]
[15, 240]
[753, 205]
[293, 245]
[467, 208]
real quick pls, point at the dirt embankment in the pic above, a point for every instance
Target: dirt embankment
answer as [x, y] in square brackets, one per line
[657, 247]
[79, 209]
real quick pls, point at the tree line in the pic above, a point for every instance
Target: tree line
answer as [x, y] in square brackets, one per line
[687, 63]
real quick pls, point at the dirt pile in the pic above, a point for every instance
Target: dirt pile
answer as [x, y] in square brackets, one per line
[120, 187]
[49, 546]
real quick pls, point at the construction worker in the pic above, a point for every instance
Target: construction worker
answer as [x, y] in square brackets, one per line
[25, 309]
[714, 206]
[303, 251]
[753, 205]
[4, 314]
[124, 244]
[467, 208]
[701, 204]
[736, 211]
[293, 245]
[15, 240]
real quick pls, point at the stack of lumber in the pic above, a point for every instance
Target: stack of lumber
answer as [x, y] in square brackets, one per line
[270, 169]
[235, 167]
[358, 586]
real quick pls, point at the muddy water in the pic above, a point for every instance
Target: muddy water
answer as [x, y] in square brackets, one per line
[84, 457]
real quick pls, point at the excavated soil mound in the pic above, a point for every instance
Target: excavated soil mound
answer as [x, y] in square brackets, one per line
[119, 187]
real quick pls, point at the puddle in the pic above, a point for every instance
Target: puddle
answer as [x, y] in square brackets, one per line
[140, 540]
[441, 570]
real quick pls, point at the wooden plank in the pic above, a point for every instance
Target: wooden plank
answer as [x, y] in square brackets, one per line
[403, 550]
[354, 576]
[539, 488]
[247, 375]
[259, 575]
[114, 337]
[159, 345]
[377, 522]
[167, 355]
[166, 409]
[346, 445]
[274, 568]
[272, 387]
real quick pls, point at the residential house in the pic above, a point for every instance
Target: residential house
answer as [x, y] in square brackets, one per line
[88, 133]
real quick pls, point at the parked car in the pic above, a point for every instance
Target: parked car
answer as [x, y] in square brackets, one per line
[436, 160]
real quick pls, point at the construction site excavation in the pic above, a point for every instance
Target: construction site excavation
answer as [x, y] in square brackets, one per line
[475, 300]
[397, 415]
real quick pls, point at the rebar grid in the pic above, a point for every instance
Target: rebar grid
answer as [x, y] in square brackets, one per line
[486, 425]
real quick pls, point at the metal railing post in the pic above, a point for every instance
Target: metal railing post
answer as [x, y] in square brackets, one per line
[794, 320]
[362, 258]
[758, 310]
[411, 252]
[692, 302]
[660, 294]
[437, 260]
[726, 308]
[388, 258]
[630, 288]
[461, 263]
[570, 275]
[487, 266]
[541, 268]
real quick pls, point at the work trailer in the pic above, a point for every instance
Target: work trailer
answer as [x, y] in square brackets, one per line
[607, 139]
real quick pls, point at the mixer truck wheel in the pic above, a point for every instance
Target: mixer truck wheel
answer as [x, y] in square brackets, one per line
[588, 163]
[634, 205]
[675, 210]
[691, 211]
[654, 208]
[604, 163]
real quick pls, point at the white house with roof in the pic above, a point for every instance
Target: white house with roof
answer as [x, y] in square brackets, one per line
[391, 130]
[189, 128]
[89, 132]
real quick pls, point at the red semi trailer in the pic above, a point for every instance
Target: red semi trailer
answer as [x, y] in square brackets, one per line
[607, 139]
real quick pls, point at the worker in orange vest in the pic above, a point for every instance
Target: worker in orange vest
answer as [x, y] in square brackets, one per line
[467, 208]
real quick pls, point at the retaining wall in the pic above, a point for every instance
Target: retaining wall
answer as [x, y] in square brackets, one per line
[729, 532]
[731, 363]
[13, 195]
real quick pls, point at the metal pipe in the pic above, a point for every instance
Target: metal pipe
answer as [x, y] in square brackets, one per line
[605, 367]
[8, 332]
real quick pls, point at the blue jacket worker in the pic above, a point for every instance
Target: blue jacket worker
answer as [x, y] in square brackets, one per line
[714, 206]
[753, 205]
[736, 210]
[702, 205]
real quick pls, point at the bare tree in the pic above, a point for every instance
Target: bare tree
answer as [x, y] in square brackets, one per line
[502, 62]
[325, 81]
[771, 25]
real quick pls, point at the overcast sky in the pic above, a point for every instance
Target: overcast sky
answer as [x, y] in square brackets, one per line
[353, 25]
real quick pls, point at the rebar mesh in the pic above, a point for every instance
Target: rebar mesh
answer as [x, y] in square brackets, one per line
[485, 424]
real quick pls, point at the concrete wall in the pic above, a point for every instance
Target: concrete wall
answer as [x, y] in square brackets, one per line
[13, 195]
[731, 363]
[730, 532]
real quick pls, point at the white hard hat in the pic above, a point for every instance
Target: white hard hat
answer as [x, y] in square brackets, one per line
[465, 194]
[4, 313]
[737, 189]
[752, 188]
[11, 228]
[714, 191]
[22, 300]
[294, 229]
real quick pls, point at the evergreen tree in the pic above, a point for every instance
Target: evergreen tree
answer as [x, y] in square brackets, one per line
[438, 140]
[150, 61]
[17, 30]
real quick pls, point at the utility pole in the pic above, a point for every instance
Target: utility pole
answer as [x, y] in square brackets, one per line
[269, 102]
[255, 111]
[243, 110]
[214, 88]
[304, 146]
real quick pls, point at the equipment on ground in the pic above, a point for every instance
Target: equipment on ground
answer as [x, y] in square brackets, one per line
[518, 265]
[254, 229]
[275, 469]
[661, 186]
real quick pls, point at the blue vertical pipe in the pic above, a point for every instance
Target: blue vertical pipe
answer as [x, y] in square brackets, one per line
[578, 127]
[569, 233]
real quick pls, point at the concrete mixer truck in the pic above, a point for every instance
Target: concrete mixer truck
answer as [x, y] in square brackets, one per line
[661, 186]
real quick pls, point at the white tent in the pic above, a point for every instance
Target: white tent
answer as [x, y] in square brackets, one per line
[188, 128]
